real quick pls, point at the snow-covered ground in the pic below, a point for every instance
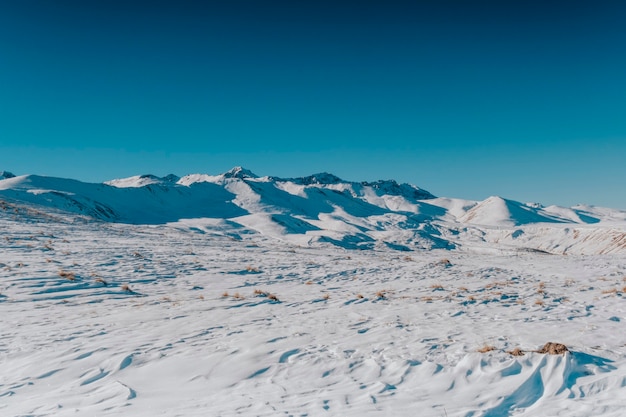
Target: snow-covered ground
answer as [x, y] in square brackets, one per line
[273, 311]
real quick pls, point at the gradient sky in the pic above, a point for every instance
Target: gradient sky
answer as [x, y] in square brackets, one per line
[463, 98]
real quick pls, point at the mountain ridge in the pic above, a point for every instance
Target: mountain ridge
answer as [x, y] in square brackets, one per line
[323, 208]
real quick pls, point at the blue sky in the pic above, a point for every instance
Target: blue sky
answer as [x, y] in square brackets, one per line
[464, 99]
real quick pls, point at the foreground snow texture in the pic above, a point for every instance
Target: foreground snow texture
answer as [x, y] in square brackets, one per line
[207, 317]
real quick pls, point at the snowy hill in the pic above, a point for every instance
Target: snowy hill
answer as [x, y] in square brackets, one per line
[323, 208]
[497, 211]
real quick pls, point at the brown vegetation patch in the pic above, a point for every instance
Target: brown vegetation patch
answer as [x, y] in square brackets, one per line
[486, 348]
[67, 275]
[516, 352]
[552, 348]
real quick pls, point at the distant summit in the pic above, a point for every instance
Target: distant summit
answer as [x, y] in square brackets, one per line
[143, 180]
[240, 172]
[6, 174]
[391, 187]
[171, 178]
[323, 178]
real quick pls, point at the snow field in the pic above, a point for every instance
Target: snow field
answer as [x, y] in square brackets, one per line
[177, 320]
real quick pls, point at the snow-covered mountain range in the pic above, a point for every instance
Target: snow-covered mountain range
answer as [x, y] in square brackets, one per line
[323, 208]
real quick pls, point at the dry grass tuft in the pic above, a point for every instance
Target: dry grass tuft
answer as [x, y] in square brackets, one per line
[225, 294]
[238, 296]
[259, 293]
[486, 348]
[437, 287]
[539, 302]
[552, 348]
[516, 352]
[445, 262]
[541, 288]
[67, 275]
[101, 281]
[381, 295]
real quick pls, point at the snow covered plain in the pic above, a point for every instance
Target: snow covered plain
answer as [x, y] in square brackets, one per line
[374, 301]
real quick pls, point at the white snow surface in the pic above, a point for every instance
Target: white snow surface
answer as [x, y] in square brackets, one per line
[238, 295]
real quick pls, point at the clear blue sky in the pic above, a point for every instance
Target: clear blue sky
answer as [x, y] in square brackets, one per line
[463, 98]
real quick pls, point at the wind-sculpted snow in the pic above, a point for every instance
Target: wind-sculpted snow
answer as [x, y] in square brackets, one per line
[322, 208]
[209, 317]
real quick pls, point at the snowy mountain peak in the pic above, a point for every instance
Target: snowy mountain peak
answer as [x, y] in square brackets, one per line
[171, 178]
[142, 180]
[498, 211]
[322, 178]
[6, 174]
[391, 187]
[240, 172]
